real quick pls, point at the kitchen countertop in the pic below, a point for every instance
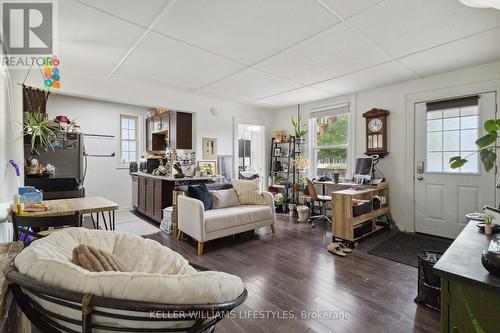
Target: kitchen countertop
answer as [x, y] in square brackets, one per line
[462, 260]
[143, 174]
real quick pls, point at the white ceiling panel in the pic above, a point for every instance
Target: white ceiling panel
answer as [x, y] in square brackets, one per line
[91, 41]
[349, 8]
[165, 59]
[297, 96]
[132, 10]
[334, 52]
[402, 27]
[474, 50]
[252, 84]
[377, 76]
[245, 31]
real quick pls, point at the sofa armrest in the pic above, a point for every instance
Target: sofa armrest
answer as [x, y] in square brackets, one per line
[191, 217]
[269, 200]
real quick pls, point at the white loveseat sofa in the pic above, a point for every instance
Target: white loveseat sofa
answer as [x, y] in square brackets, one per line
[203, 225]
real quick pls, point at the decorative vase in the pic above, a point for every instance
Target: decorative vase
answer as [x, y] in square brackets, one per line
[488, 229]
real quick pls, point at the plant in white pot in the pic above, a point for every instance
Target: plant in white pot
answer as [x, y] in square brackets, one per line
[488, 224]
[300, 130]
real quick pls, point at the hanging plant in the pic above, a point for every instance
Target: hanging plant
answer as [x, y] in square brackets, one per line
[42, 133]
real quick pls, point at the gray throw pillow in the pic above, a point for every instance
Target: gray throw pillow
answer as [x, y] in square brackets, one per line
[224, 198]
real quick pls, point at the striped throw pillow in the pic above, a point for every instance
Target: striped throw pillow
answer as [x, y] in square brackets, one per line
[248, 191]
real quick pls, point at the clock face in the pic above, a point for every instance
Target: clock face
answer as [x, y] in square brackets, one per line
[375, 125]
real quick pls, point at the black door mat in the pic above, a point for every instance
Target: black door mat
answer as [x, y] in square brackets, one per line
[404, 247]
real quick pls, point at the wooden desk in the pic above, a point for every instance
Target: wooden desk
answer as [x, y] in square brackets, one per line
[87, 205]
[336, 186]
[344, 220]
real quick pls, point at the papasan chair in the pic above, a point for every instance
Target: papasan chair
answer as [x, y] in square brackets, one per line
[162, 293]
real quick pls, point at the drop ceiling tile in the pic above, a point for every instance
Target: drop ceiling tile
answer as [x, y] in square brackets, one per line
[219, 96]
[349, 8]
[475, 50]
[373, 77]
[131, 10]
[297, 96]
[336, 51]
[402, 27]
[245, 31]
[168, 60]
[90, 41]
[252, 84]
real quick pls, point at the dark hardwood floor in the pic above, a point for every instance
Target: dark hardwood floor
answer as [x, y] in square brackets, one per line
[291, 273]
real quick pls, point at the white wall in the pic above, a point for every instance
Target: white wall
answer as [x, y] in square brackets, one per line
[206, 124]
[104, 176]
[397, 166]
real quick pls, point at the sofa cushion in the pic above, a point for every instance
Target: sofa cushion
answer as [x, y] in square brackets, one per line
[224, 218]
[224, 198]
[248, 191]
[200, 192]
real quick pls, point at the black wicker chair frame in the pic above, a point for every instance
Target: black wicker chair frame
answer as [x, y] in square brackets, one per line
[202, 318]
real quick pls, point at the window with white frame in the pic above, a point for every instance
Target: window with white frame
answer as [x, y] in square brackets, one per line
[329, 137]
[129, 143]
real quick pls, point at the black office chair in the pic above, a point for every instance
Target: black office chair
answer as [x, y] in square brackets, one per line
[39, 226]
[323, 202]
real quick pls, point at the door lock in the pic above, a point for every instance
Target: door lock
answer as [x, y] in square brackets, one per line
[420, 167]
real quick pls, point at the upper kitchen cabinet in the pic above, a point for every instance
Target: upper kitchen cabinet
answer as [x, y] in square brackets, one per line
[170, 129]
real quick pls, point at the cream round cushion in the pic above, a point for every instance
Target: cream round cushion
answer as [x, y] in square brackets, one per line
[159, 275]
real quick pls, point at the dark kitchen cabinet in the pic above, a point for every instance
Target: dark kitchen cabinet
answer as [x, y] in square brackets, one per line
[181, 128]
[153, 196]
[141, 207]
[171, 129]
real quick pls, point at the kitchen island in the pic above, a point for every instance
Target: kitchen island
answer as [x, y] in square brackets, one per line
[470, 294]
[151, 194]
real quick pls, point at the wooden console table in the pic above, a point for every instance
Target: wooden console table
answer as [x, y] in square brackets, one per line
[344, 220]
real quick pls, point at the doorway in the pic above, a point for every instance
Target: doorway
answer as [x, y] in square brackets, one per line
[443, 195]
[250, 161]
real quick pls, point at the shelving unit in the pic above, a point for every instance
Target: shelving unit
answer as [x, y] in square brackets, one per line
[287, 173]
[344, 220]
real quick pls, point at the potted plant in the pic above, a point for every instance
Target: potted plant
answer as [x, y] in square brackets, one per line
[300, 130]
[279, 200]
[488, 224]
[42, 133]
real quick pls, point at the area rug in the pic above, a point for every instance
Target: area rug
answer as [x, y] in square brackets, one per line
[404, 247]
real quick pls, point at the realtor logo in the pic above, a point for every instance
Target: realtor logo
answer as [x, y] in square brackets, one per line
[28, 27]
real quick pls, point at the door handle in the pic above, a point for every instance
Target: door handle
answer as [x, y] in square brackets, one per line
[420, 177]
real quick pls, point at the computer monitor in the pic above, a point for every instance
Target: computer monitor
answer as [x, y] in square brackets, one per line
[364, 169]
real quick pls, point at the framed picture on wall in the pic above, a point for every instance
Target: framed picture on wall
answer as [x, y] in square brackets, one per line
[226, 167]
[209, 148]
[277, 152]
[208, 168]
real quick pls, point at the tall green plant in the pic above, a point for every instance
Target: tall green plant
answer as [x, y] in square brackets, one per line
[41, 132]
[486, 147]
[299, 127]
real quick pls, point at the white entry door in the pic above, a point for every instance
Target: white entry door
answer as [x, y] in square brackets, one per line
[444, 195]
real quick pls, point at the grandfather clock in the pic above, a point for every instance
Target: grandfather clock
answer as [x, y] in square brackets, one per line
[376, 132]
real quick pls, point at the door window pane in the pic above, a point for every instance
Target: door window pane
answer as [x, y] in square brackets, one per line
[451, 124]
[434, 162]
[434, 141]
[451, 141]
[452, 132]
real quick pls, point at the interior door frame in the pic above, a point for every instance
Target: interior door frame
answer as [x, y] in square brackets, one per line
[250, 121]
[419, 97]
